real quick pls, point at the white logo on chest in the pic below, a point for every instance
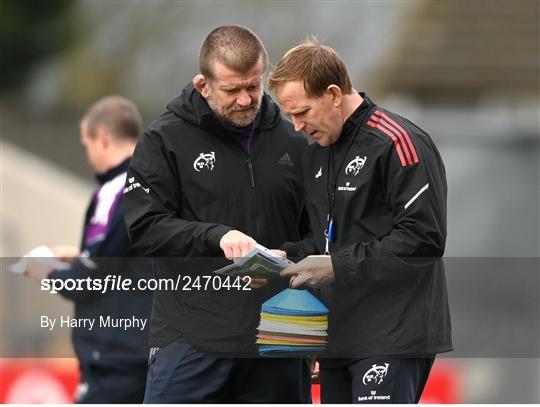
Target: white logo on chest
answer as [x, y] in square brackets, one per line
[205, 161]
[347, 187]
[354, 167]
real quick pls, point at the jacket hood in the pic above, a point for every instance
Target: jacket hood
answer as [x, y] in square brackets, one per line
[192, 107]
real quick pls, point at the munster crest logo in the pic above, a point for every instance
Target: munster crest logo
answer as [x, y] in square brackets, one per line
[354, 167]
[205, 161]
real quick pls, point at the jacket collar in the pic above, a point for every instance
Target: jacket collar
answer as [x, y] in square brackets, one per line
[356, 119]
[113, 172]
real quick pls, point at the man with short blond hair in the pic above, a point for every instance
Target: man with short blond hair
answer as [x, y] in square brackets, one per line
[375, 188]
[219, 171]
[316, 65]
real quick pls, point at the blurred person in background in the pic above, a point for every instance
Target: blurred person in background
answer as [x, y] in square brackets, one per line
[112, 360]
[376, 197]
[218, 171]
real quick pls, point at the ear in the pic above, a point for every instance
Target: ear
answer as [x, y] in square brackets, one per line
[335, 93]
[103, 136]
[201, 84]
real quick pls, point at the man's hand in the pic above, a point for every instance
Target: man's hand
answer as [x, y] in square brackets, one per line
[66, 254]
[38, 270]
[236, 245]
[313, 271]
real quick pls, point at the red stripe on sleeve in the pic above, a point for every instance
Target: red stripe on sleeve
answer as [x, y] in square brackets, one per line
[389, 134]
[384, 123]
[405, 134]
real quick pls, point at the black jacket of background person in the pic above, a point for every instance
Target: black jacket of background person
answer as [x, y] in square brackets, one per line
[110, 347]
[390, 295]
[191, 182]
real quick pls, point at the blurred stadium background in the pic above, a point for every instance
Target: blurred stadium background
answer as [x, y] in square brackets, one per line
[467, 72]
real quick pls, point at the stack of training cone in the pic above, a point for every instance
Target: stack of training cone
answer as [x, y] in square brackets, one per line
[293, 322]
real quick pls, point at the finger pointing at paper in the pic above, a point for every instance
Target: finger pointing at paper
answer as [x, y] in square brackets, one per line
[313, 271]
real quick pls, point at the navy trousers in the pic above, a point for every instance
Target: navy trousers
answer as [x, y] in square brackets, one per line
[384, 380]
[178, 373]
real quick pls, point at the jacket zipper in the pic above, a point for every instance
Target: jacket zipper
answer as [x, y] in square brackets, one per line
[254, 195]
[255, 216]
[251, 176]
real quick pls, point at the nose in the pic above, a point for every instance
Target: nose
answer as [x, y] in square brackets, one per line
[298, 124]
[243, 98]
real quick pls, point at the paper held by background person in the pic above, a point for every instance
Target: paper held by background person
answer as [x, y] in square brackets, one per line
[260, 262]
[42, 254]
[46, 256]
